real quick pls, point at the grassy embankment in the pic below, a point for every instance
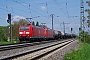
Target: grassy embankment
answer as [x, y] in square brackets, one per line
[81, 54]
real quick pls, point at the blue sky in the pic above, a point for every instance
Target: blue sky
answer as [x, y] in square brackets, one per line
[66, 10]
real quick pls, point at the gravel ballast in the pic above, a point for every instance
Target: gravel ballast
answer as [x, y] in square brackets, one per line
[56, 55]
[59, 54]
[14, 51]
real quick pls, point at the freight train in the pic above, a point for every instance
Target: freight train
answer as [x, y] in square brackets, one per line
[31, 33]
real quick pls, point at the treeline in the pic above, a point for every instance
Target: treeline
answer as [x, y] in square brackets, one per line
[5, 33]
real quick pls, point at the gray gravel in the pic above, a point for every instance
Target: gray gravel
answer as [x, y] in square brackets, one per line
[13, 51]
[56, 56]
[60, 54]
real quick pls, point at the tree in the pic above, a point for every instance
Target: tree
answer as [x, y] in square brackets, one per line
[3, 33]
[22, 22]
[37, 23]
[16, 25]
[33, 23]
[88, 11]
[88, 2]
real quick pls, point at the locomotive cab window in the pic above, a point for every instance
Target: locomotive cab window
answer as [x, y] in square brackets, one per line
[24, 28]
[27, 28]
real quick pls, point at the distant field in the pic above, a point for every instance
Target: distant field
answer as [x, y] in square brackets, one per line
[82, 54]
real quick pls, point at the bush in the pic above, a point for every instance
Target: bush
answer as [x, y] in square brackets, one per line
[84, 37]
[3, 33]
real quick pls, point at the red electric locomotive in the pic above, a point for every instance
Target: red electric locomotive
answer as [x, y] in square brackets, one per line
[48, 33]
[34, 33]
[30, 32]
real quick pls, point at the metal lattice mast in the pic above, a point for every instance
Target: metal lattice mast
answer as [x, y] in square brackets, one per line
[82, 18]
[81, 14]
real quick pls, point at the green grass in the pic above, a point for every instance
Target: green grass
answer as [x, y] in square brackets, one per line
[13, 42]
[4, 42]
[82, 54]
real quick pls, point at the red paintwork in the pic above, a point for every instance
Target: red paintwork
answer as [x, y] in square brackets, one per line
[35, 32]
[48, 33]
[30, 32]
[38, 32]
[24, 31]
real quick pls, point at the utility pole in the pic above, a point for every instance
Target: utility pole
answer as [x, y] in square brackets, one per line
[64, 26]
[52, 15]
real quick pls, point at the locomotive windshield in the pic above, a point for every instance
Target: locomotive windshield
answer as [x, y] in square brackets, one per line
[24, 28]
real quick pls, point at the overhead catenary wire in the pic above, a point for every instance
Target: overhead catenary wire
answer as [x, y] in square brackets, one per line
[30, 4]
[47, 8]
[42, 2]
[6, 7]
[55, 1]
[11, 11]
[28, 8]
[60, 7]
[67, 9]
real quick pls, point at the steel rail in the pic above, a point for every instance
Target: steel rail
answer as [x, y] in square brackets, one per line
[32, 51]
[21, 45]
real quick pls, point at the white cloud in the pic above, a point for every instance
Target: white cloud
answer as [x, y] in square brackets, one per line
[18, 17]
[43, 8]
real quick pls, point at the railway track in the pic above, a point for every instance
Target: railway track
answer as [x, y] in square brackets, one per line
[38, 52]
[21, 45]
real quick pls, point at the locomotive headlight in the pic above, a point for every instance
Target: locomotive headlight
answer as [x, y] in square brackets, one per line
[27, 32]
[20, 32]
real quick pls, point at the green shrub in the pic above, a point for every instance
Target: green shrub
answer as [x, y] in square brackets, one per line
[84, 37]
